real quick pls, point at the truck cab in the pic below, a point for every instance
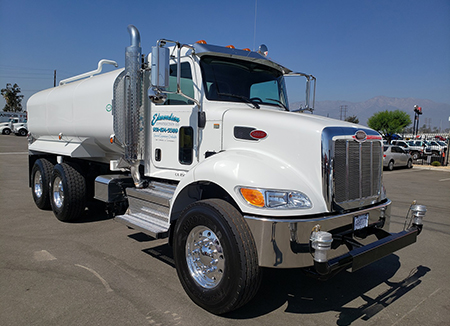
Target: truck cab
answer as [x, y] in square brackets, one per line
[7, 127]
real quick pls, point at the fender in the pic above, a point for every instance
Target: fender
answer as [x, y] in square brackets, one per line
[232, 168]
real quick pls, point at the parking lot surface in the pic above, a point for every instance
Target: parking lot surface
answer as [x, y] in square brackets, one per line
[98, 272]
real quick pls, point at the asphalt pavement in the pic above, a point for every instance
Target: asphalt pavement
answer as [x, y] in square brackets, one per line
[98, 272]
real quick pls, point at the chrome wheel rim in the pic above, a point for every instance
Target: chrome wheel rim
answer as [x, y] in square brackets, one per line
[58, 192]
[38, 184]
[204, 257]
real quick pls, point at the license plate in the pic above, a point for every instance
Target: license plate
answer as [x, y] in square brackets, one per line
[360, 221]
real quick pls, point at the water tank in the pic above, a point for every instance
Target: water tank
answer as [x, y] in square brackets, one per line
[80, 111]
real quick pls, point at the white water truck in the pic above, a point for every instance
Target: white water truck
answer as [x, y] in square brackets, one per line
[197, 144]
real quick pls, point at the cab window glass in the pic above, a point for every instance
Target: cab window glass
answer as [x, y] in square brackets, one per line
[268, 90]
[186, 85]
[186, 145]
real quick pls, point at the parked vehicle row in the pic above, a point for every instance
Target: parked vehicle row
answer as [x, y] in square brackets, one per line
[421, 148]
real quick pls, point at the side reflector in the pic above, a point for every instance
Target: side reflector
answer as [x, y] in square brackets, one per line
[253, 196]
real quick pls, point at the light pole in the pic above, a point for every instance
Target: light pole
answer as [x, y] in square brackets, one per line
[417, 112]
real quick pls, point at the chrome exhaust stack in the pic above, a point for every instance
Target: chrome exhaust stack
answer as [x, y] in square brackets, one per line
[134, 101]
[128, 108]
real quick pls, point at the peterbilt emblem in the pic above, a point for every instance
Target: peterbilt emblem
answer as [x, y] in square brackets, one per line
[360, 136]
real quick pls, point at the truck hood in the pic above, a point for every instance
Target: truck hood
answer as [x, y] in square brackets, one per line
[291, 142]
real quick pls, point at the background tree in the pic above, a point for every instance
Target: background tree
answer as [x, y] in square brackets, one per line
[389, 122]
[13, 99]
[352, 118]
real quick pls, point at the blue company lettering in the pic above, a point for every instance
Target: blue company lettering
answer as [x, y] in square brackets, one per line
[157, 117]
[167, 130]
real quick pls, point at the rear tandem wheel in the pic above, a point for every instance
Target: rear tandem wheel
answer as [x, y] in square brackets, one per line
[68, 192]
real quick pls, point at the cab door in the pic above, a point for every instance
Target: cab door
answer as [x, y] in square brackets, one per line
[173, 128]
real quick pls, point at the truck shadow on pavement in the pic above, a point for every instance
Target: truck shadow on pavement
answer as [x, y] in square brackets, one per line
[95, 212]
[302, 294]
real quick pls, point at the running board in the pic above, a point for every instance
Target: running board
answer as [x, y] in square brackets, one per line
[148, 209]
[144, 225]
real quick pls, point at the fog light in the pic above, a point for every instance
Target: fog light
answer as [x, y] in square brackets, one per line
[321, 243]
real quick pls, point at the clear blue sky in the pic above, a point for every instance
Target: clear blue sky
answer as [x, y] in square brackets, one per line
[357, 49]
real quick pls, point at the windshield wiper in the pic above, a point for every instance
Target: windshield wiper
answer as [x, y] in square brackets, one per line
[245, 99]
[279, 102]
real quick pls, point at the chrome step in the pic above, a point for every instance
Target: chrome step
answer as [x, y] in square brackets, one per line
[144, 224]
[148, 209]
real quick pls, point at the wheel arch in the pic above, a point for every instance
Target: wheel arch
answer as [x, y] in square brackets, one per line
[193, 192]
[219, 175]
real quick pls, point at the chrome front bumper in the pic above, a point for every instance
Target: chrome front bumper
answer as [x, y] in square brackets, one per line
[284, 243]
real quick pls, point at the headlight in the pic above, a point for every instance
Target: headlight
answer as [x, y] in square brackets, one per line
[276, 199]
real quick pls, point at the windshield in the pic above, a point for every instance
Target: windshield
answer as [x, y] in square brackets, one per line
[227, 79]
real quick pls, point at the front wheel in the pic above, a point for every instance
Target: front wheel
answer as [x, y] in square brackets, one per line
[68, 193]
[215, 256]
[409, 165]
[6, 131]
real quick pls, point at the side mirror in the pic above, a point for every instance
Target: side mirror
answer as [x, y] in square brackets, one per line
[156, 97]
[160, 67]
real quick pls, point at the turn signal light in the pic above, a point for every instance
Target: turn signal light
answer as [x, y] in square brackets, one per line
[247, 49]
[201, 42]
[253, 196]
[230, 46]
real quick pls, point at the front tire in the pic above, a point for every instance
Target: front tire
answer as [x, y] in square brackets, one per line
[215, 256]
[68, 193]
[41, 174]
[409, 165]
[6, 131]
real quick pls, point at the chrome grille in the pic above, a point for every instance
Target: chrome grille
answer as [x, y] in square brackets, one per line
[357, 170]
[351, 170]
